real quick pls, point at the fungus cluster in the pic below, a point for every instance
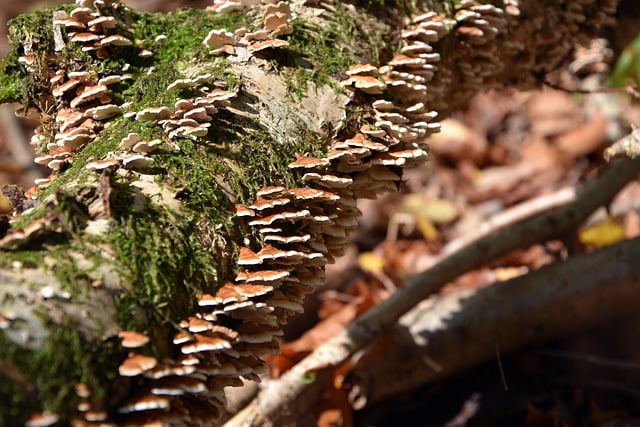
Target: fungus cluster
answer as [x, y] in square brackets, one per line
[192, 117]
[301, 229]
[489, 36]
[82, 97]
[276, 19]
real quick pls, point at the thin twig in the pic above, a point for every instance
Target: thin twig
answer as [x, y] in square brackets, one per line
[526, 209]
[461, 329]
[631, 90]
[294, 393]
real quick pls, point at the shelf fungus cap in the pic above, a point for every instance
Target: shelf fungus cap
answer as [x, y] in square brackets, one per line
[218, 38]
[273, 191]
[102, 164]
[136, 364]
[115, 40]
[178, 386]
[226, 6]
[132, 339]
[262, 204]
[115, 78]
[366, 84]
[242, 210]
[65, 87]
[84, 37]
[82, 13]
[42, 419]
[291, 216]
[196, 324]
[275, 19]
[308, 162]
[89, 93]
[129, 141]
[287, 239]
[280, 7]
[255, 36]
[103, 21]
[253, 291]
[363, 70]
[70, 23]
[69, 118]
[199, 114]
[248, 257]
[136, 161]
[103, 112]
[262, 276]
[225, 295]
[145, 147]
[258, 334]
[374, 133]
[191, 131]
[145, 403]
[282, 30]
[268, 44]
[204, 342]
[329, 181]
[311, 194]
[154, 113]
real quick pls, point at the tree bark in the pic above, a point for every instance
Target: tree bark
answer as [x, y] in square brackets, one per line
[204, 232]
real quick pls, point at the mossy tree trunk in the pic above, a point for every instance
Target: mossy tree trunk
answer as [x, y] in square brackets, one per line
[124, 243]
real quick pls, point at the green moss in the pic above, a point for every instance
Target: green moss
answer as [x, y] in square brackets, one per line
[183, 53]
[317, 56]
[164, 257]
[323, 54]
[11, 79]
[34, 380]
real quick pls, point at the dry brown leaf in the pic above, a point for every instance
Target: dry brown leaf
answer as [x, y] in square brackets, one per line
[456, 142]
[583, 139]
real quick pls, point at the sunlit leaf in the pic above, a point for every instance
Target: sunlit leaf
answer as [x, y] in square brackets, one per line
[426, 227]
[602, 234]
[5, 205]
[370, 262]
[438, 211]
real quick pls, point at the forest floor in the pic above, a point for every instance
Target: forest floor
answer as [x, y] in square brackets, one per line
[504, 153]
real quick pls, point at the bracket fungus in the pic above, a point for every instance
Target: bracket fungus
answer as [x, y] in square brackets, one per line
[292, 231]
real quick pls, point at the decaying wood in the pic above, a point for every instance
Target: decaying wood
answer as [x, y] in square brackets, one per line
[206, 171]
[294, 394]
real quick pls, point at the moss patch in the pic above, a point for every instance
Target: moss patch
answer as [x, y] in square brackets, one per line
[43, 380]
[164, 258]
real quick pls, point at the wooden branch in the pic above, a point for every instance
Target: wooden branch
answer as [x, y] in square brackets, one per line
[519, 212]
[293, 392]
[208, 167]
[447, 334]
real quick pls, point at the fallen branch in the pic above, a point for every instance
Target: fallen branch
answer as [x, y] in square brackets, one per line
[447, 334]
[519, 212]
[293, 393]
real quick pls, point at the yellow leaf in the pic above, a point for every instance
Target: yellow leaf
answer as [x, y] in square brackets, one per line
[438, 211]
[426, 227]
[506, 273]
[602, 234]
[5, 205]
[370, 262]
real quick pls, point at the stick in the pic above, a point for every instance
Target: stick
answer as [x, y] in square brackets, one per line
[461, 329]
[296, 393]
